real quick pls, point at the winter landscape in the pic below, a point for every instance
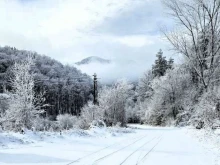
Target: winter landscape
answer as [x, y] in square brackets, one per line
[108, 82]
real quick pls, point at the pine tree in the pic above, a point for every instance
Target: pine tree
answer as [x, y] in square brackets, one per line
[161, 65]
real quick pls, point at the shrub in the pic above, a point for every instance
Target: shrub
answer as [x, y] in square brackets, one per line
[205, 113]
[44, 124]
[98, 123]
[66, 121]
[90, 113]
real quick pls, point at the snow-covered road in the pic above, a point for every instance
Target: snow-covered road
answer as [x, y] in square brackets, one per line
[147, 146]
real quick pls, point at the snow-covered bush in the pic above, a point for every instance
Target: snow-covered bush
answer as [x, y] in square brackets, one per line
[183, 118]
[66, 121]
[98, 123]
[44, 124]
[207, 110]
[90, 113]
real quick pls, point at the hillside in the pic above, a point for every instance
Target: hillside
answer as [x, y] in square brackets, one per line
[67, 88]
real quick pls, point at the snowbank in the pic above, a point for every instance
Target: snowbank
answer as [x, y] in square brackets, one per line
[11, 139]
[4, 96]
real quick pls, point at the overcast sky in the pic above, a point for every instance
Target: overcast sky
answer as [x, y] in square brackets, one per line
[70, 30]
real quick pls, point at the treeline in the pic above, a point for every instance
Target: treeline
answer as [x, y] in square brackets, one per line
[41, 93]
[25, 102]
[187, 93]
[66, 89]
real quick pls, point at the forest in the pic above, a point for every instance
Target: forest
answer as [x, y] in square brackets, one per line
[64, 88]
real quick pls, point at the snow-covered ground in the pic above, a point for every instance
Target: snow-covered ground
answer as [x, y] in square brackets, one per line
[111, 146]
[209, 139]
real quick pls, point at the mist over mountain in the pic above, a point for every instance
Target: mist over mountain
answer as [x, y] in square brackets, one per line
[109, 71]
[93, 59]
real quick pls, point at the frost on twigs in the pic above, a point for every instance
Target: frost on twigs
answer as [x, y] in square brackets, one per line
[24, 105]
[66, 121]
[98, 123]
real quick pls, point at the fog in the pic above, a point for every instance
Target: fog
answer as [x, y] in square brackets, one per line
[109, 73]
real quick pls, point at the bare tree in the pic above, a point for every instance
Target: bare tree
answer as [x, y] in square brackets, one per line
[198, 35]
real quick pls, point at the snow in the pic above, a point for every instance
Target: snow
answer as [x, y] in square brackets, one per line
[4, 96]
[138, 144]
[209, 139]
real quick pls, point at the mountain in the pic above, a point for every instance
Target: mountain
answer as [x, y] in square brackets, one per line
[93, 59]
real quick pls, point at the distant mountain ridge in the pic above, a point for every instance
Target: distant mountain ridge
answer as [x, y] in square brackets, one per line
[93, 59]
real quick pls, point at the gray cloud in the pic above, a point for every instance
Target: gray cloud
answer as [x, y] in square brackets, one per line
[143, 18]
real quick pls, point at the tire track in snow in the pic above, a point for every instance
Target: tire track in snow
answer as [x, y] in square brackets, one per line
[84, 157]
[142, 160]
[136, 150]
[104, 157]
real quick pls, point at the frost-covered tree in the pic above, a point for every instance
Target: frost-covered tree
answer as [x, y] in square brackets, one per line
[24, 105]
[144, 88]
[113, 101]
[133, 113]
[198, 36]
[168, 98]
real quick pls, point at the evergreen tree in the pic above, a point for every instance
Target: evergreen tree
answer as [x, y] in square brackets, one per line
[161, 65]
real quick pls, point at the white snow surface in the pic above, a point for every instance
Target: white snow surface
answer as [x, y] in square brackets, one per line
[138, 144]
